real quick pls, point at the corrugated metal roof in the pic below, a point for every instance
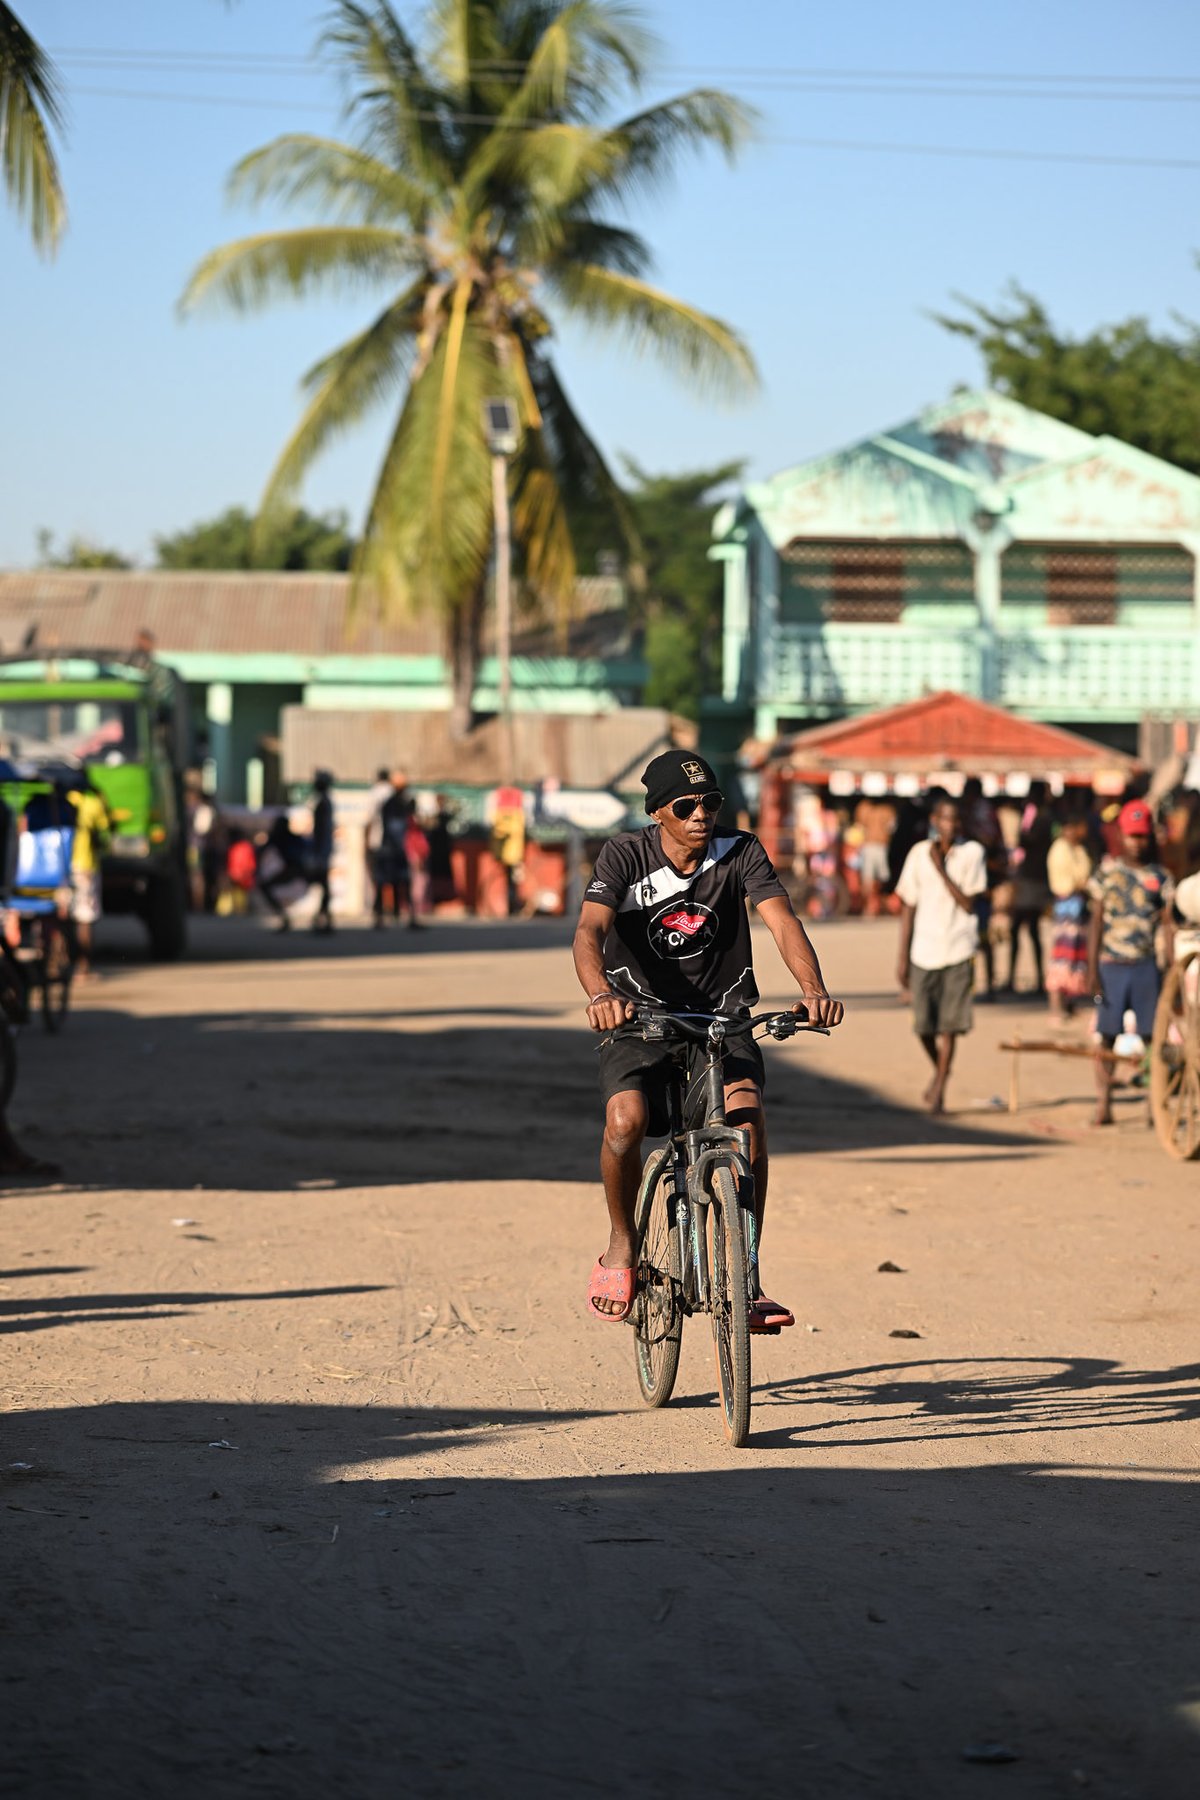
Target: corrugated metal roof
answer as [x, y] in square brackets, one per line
[946, 731]
[241, 613]
[581, 751]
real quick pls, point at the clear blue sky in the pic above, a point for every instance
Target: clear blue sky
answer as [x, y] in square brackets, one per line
[118, 421]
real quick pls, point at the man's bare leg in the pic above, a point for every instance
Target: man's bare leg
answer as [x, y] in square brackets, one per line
[929, 1044]
[946, 1043]
[625, 1120]
[744, 1109]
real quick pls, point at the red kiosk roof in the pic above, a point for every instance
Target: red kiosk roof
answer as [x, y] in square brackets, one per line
[944, 732]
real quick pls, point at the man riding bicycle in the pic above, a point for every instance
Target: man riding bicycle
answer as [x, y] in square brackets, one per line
[664, 923]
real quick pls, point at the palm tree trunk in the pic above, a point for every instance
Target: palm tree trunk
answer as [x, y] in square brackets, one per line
[464, 632]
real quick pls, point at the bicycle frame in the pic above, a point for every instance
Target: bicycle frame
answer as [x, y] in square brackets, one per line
[693, 1152]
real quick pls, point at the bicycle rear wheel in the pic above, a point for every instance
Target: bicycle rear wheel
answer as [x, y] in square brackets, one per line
[56, 970]
[657, 1308]
[730, 1303]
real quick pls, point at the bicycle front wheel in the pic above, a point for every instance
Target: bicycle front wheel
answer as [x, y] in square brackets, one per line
[730, 1303]
[657, 1308]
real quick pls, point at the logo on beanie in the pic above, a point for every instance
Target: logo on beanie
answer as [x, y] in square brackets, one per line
[694, 771]
[681, 928]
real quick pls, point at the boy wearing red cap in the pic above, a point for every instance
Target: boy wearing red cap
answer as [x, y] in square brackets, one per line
[1130, 894]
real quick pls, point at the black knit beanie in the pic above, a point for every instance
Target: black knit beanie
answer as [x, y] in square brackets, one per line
[675, 773]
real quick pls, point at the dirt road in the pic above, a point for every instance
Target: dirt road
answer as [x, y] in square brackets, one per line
[333, 1488]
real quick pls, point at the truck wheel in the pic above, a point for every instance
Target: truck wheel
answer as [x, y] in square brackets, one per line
[166, 918]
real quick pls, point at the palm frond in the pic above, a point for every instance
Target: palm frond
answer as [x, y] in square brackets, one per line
[29, 105]
[409, 557]
[697, 345]
[642, 151]
[343, 387]
[547, 236]
[582, 472]
[401, 111]
[340, 177]
[254, 270]
[467, 50]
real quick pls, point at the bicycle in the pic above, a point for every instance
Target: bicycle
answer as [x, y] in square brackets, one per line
[694, 1223]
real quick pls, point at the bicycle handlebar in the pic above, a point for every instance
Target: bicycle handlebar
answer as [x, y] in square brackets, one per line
[658, 1021]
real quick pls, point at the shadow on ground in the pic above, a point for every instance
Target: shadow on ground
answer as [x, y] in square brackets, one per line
[123, 943]
[308, 1614]
[272, 1100]
[29, 1312]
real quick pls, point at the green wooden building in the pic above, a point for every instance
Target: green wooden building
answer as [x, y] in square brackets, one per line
[980, 547]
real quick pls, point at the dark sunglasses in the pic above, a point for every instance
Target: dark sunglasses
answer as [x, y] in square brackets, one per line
[712, 803]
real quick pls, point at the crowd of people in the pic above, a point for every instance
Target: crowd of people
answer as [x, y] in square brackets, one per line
[237, 865]
[1096, 885]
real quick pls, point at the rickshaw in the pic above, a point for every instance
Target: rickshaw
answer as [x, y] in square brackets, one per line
[39, 954]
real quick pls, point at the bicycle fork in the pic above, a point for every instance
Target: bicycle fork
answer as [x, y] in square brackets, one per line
[692, 1202]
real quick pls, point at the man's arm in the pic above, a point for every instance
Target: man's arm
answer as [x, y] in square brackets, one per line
[793, 944]
[965, 900]
[908, 916]
[605, 1010]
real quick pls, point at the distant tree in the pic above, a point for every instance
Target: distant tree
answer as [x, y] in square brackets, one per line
[681, 602]
[476, 191]
[78, 553]
[1127, 381]
[292, 540]
[29, 106]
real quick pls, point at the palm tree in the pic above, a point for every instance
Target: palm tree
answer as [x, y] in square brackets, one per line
[473, 193]
[29, 105]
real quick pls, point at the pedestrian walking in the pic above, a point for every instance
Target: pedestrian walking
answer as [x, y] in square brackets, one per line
[321, 847]
[92, 827]
[1069, 869]
[1031, 897]
[416, 849]
[394, 876]
[939, 934]
[1131, 896]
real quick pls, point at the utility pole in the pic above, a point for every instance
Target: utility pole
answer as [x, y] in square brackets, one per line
[500, 429]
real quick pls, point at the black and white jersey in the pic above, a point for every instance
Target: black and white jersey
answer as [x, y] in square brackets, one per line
[682, 940]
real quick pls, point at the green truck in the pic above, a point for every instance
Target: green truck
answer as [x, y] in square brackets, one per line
[126, 719]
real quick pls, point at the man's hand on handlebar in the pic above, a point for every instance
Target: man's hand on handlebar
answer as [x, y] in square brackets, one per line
[821, 1010]
[606, 1011]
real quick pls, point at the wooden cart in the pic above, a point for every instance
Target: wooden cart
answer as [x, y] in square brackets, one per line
[1175, 1061]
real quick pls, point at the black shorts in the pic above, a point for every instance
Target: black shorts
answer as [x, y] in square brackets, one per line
[630, 1063]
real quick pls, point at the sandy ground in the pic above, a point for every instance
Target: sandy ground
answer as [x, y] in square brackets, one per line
[333, 1487]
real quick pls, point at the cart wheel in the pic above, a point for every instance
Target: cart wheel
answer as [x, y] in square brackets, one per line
[1175, 1063]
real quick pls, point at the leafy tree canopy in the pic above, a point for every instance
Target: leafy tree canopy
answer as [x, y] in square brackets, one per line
[78, 553]
[294, 539]
[676, 591]
[1127, 381]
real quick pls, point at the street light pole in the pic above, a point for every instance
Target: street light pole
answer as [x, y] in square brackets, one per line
[503, 603]
[500, 430]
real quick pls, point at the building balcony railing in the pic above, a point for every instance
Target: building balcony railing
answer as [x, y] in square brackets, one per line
[1090, 672]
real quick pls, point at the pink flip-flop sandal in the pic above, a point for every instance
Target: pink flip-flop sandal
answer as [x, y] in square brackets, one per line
[611, 1284]
[767, 1316]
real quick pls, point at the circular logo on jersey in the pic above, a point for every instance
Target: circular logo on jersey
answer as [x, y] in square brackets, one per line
[682, 928]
